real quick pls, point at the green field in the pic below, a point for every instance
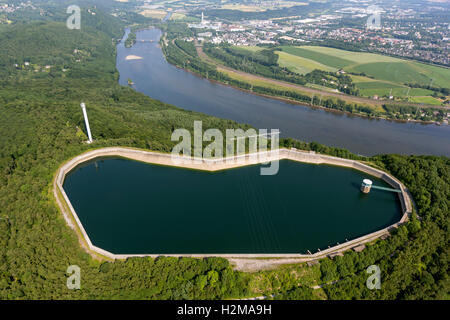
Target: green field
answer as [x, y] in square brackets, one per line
[157, 14]
[426, 100]
[383, 73]
[271, 85]
[382, 88]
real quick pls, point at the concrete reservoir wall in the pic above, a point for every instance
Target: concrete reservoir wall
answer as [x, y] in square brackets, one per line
[221, 164]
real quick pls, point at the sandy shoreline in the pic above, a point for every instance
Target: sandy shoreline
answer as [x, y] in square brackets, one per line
[133, 57]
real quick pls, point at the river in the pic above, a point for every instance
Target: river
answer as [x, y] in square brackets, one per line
[155, 77]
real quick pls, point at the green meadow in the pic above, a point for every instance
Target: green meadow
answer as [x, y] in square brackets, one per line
[383, 73]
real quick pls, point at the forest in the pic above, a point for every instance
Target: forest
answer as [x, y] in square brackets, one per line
[41, 126]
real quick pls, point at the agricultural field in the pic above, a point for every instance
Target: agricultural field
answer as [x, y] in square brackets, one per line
[299, 64]
[257, 82]
[257, 7]
[157, 14]
[242, 7]
[426, 100]
[382, 73]
[271, 85]
[319, 87]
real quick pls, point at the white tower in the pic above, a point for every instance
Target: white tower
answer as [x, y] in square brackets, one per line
[86, 121]
[203, 20]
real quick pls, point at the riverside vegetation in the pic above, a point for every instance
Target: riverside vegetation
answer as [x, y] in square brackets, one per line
[41, 126]
[265, 63]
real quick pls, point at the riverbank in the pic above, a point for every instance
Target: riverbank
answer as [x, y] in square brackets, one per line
[223, 164]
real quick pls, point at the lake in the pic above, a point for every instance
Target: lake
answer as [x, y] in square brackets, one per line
[130, 207]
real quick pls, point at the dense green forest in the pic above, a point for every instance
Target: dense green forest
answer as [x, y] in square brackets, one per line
[235, 15]
[41, 126]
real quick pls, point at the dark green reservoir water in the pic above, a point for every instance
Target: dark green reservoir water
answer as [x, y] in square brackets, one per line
[129, 207]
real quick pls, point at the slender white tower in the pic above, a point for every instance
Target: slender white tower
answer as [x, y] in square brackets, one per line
[203, 21]
[86, 121]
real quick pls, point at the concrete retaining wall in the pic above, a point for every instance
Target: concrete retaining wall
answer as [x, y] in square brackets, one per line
[222, 164]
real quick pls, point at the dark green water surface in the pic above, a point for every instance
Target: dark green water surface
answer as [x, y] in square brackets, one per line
[131, 207]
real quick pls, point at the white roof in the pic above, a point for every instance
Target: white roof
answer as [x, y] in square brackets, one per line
[367, 181]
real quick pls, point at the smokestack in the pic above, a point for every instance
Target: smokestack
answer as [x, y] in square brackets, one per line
[86, 121]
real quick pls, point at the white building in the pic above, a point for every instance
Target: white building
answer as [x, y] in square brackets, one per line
[204, 24]
[205, 34]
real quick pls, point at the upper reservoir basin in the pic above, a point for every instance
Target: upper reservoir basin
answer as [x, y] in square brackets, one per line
[155, 77]
[131, 207]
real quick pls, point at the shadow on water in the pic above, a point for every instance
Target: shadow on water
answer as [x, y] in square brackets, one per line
[356, 185]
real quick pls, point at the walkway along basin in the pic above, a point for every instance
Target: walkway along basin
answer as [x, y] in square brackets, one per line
[126, 208]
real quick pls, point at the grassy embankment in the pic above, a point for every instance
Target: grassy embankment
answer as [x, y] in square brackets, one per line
[40, 129]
